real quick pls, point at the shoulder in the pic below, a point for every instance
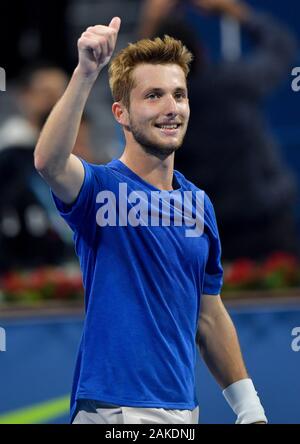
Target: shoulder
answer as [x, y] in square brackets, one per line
[187, 185]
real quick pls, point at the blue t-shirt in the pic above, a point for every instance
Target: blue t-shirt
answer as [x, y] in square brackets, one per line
[146, 257]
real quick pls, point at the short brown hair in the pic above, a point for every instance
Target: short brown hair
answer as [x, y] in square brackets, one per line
[156, 51]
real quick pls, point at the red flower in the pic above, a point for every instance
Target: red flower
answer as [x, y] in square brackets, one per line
[242, 271]
[12, 282]
[280, 261]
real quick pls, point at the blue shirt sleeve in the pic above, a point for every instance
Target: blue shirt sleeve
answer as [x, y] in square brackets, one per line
[213, 278]
[77, 213]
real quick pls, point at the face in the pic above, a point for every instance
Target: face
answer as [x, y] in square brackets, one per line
[159, 109]
[46, 87]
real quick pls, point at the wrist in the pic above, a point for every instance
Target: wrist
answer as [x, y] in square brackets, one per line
[242, 398]
[85, 77]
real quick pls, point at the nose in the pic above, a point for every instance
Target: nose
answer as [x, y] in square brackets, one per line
[170, 106]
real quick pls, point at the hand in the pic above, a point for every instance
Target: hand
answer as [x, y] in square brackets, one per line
[237, 9]
[95, 47]
[153, 13]
[213, 6]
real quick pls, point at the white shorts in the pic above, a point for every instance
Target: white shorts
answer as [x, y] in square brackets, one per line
[94, 412]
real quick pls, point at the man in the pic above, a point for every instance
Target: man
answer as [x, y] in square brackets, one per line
[144, 276]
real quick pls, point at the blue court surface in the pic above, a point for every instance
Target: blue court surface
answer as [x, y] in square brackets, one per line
[37, 367]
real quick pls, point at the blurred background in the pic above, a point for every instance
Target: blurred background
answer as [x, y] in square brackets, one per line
[242, 148]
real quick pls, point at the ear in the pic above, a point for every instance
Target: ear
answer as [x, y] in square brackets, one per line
[120, 113]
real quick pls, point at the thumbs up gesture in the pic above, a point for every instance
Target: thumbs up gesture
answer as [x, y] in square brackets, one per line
[95, 47]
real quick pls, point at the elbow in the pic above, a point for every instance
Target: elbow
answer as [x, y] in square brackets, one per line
[205, 328]
[42, 166]
[40, 163]
[48, 167]
[202, 342]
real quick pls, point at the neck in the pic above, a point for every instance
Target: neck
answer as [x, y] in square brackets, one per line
[158, 172]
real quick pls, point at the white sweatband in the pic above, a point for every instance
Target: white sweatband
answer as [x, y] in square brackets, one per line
[242, 398]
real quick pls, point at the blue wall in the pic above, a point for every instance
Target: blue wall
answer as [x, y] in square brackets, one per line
[40, 357]
[265, 337]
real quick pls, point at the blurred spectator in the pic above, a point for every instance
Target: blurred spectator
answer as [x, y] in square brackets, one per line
[228, 150]
[38, 89]
[26, 236]
[31, 233]
[153, 13]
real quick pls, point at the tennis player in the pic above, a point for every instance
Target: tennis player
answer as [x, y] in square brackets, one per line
[147, 242]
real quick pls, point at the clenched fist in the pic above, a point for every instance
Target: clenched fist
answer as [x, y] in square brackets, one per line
[96, 45]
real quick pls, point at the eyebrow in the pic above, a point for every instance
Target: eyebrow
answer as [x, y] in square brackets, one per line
[161, 90]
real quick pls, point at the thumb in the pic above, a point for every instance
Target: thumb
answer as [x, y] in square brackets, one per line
[115, 23]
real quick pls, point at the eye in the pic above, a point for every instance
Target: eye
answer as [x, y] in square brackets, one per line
[180, 95]
[153, 95]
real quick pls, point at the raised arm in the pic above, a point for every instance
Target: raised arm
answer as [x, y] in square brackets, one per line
[53, 156]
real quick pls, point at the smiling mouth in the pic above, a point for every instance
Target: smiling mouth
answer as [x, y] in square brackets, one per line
[170, 127]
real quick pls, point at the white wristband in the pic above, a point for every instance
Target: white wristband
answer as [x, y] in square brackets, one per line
[242, 398]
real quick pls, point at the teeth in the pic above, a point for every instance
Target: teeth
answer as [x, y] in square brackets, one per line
[168, 126]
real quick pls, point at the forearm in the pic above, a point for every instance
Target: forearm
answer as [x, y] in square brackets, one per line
[220, 349]
[153, 13]
[219, 346]
[59, 134]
